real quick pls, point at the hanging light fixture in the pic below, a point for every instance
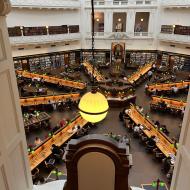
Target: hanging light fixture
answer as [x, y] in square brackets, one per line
[93, 106]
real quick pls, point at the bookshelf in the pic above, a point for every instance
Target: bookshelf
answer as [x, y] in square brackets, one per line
[182, 30]
[100, 57]
[74, 29]
[72, 58]
[58, 29]
[34, 31]
[140, 58]
[167, 29]
[14, 31]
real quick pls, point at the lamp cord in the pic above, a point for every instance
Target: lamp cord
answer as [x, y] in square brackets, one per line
[93, 58]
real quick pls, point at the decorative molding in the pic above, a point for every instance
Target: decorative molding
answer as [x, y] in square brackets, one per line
[44, 39]
[175, 38]
[122, 4]
[49, 4]
[120, 35]
[175, 3]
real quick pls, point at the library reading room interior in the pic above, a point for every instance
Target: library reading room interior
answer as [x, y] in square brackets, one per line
[94, 94]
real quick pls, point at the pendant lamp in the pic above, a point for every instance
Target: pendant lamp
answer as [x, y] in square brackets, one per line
[93, 106]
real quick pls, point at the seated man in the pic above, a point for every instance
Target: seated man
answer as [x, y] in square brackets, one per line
[151, 143]
[56, 150]
[175, 89]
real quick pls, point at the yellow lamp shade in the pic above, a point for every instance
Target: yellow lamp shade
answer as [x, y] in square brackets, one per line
[93, 107]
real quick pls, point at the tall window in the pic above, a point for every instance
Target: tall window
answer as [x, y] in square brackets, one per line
[99, 22]
[141, 22]
[119, 22]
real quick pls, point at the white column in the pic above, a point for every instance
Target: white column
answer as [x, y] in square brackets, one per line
[14, 165]
[108, 21]
[130, 21]
[151, 22]
[181, 176]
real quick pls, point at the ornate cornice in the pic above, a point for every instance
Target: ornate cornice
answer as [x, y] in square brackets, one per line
[5, 7]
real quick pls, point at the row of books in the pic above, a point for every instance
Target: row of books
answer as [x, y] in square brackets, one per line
[55, 60]
[137, 59]
[176, 29]
[42, 30]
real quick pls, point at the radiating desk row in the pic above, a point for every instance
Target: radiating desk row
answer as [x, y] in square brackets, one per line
[96, 73]
[168, 86]
[44, 150]
[164, 143]
[170, 103]
[140, 72]
[53, 80]
[48, 99]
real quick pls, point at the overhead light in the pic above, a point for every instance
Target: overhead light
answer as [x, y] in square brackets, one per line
[142, 19]
[93, 106]
[174, 26]
[119, 19]
[97, 19]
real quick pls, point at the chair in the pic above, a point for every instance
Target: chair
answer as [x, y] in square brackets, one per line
[35, 175]
[50, 164]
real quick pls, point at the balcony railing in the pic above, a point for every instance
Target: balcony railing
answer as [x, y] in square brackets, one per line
[66, 4]
[120, 3]
[121, 35]
[44, 39]
[175, 3]
[175, 38]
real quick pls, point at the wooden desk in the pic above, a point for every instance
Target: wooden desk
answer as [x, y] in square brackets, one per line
[44, 150]
[165, 144]
[140, 72]
[170, 103]
[89, 69]
[167, 86]
[52, 80]
[48, 99]
[43, 116]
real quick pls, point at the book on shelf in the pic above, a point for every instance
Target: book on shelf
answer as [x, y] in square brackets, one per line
[14, 31]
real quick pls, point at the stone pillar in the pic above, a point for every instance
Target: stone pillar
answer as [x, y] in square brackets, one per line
[108, 21]
[130, 21]
[181, 175]
[14, 165]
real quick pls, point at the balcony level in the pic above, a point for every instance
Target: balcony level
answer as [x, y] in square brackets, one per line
[44, 39]
[121, 3]
[174, 38]
[46, 4]
[175, 3]
[43, 34]
[120, 35]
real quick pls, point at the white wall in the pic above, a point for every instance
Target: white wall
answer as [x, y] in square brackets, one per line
[31, 50]
[43, 17]
[175, 16]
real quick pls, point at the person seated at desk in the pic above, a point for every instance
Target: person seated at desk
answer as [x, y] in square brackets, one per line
[151, 143]
[175, 89]
[37, 141]
[164, 129]
[157, 124]
[162, 104]
[136, 131]
[63, 122]
[56, 128]
[56, 150]
[140, 108]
